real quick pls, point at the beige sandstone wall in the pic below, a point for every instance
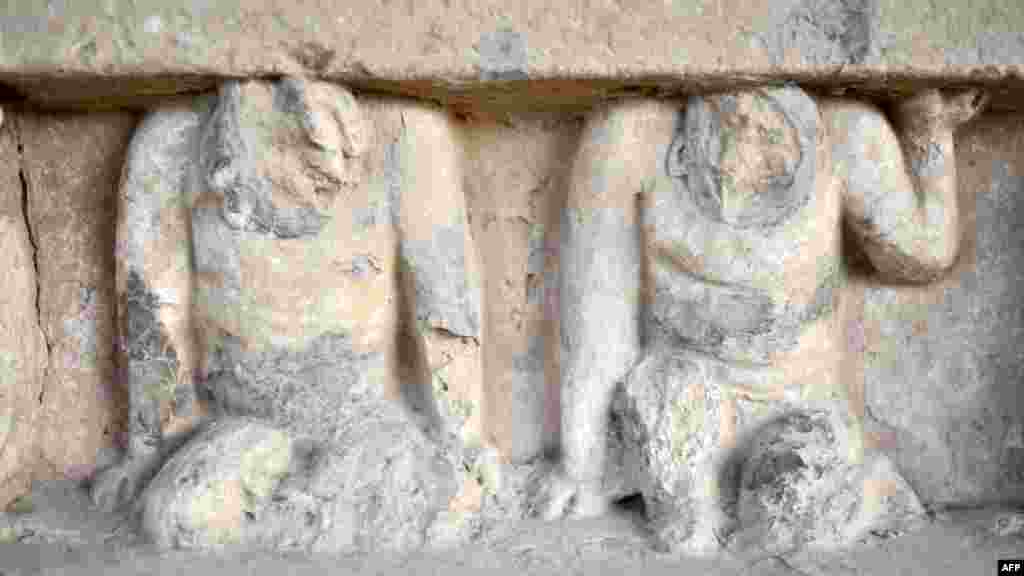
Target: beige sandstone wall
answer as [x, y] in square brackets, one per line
[23, 357]
[71, 165]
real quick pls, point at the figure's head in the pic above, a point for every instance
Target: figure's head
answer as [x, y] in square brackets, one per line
[740, 154]
[280, 152]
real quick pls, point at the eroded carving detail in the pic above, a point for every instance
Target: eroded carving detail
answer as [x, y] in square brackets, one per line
[250, 273]
[742, 202]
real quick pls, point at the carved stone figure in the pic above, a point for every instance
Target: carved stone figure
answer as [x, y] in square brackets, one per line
[721, 228]
[272, 240]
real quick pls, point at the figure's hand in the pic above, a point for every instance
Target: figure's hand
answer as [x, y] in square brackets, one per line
[119, 485]
[950, 109]
[962, 106]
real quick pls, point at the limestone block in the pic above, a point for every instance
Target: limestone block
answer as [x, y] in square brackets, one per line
[23, 357]
[72, 166]
[460, 50]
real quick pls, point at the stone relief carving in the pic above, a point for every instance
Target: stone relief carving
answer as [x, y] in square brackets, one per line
[259, 273]
[733, 424]
[276, 239]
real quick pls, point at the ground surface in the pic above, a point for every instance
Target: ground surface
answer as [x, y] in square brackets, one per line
[55, 532]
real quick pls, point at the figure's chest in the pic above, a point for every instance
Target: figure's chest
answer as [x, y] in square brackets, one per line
[690, 232]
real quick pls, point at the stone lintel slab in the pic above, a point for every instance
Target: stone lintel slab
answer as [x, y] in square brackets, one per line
[107, 53]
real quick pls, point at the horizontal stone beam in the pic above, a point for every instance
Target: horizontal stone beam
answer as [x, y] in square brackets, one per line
[95, 53]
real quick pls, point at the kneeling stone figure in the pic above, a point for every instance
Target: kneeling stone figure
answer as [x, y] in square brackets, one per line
[260, 276]
[720, 228]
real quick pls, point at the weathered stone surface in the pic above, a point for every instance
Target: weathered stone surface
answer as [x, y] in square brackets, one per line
[668, 415]
[304, 208]
[219, 193]
[438, 264]
[71, 165]
[785, 483]
[742, 237]
[50, 541]
[452, 49]
[942, 365]
[23, 354]
[56, 511]
[378, 484]
[796, 489]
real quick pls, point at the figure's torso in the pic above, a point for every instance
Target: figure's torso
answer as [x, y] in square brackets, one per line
[288, 326]
[744, 292]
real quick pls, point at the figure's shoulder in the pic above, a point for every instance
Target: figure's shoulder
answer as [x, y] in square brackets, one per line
[173, 121]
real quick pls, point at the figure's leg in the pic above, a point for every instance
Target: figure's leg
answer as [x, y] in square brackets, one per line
[621, 152]
[154, 299]
[439, 267]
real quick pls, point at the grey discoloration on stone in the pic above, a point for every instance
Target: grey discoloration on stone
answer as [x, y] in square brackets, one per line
[600, 284]
[826, 297]
[159, 166]
[824, 32]
[84, 328]
[159, 173]
[527, 382]
[443, 296]
[152, 360]
[216, 251]
[363, 265]
[311, 391]
[988, 46]
[392, 179]
[537, 249]
[533, 360]
[365, 218]
[502, 55]
[932, 162]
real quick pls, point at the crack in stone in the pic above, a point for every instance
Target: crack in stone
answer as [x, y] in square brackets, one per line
[23, 178]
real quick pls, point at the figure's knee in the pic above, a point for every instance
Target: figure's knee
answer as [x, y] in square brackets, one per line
[208, 491]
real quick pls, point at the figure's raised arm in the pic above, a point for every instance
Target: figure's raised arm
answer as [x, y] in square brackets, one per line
[153, 279]
[899, 188]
